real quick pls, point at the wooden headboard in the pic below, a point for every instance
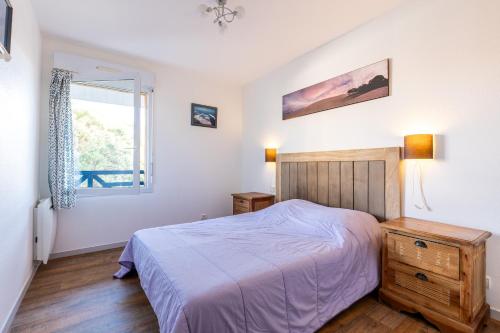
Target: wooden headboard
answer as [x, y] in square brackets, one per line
[366, 179]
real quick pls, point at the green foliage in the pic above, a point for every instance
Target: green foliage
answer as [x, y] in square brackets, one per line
[99, 147]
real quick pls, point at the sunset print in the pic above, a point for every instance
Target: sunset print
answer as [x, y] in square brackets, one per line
[360, 85]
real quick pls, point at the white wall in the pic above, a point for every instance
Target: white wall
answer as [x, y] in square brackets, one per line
[19, 105]
[445, 80]
[196, 169]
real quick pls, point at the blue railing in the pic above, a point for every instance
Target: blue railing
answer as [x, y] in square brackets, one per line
[93, 177]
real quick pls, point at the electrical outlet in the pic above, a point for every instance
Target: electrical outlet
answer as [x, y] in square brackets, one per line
[488, 282]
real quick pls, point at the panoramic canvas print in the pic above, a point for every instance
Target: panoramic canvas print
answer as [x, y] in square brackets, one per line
[203, 115]
[360, 85]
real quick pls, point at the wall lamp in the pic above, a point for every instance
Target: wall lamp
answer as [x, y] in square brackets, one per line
[419, 147]
[270, 155]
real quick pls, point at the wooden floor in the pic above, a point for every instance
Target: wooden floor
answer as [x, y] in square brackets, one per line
[78, 294]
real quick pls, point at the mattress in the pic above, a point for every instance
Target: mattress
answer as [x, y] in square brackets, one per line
[288, 268]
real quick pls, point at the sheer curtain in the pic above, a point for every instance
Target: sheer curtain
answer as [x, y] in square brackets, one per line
[61, 157]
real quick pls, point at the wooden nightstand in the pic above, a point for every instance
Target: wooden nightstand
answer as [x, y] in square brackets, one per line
[251, 202]
[438, 270]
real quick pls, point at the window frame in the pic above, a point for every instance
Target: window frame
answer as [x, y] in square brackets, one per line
[148, 181]
[138, 91]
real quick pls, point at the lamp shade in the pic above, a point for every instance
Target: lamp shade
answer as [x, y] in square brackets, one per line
[270, 154]
[419, 146]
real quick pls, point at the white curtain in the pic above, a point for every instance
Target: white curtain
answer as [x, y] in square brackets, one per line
[61, 157]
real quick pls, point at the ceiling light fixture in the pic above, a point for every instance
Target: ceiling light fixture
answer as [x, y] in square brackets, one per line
[223, 14]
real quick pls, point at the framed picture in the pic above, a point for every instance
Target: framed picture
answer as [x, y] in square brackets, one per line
[360, 85]
[5, 28]
[203, 115]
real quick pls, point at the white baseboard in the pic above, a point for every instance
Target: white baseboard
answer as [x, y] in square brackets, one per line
[495, 314]
[20, 297]
[87, 250]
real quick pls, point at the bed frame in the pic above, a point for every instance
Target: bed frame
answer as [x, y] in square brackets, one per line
[365, 179]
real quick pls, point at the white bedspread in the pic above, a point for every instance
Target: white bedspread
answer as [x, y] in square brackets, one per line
[288, 268]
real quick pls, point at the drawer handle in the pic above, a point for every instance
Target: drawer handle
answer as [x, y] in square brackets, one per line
[421, 276]
[420, 243]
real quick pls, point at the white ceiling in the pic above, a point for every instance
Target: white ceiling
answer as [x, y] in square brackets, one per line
[272, 32]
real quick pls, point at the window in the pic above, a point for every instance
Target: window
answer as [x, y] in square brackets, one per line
[112, 131]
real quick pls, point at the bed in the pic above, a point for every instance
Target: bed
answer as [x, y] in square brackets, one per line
[288, 268]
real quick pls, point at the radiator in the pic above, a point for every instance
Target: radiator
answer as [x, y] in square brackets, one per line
[45, 227]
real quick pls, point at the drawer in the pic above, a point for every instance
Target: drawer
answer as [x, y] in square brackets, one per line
[431, 256]
[431, 290]
[258, 205]
[242, 204]
[239, 210]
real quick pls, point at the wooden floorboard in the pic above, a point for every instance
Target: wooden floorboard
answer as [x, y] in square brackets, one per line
[78, 294]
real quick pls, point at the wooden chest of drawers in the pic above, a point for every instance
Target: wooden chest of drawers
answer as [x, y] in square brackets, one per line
[436, 269]
[251, 202]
